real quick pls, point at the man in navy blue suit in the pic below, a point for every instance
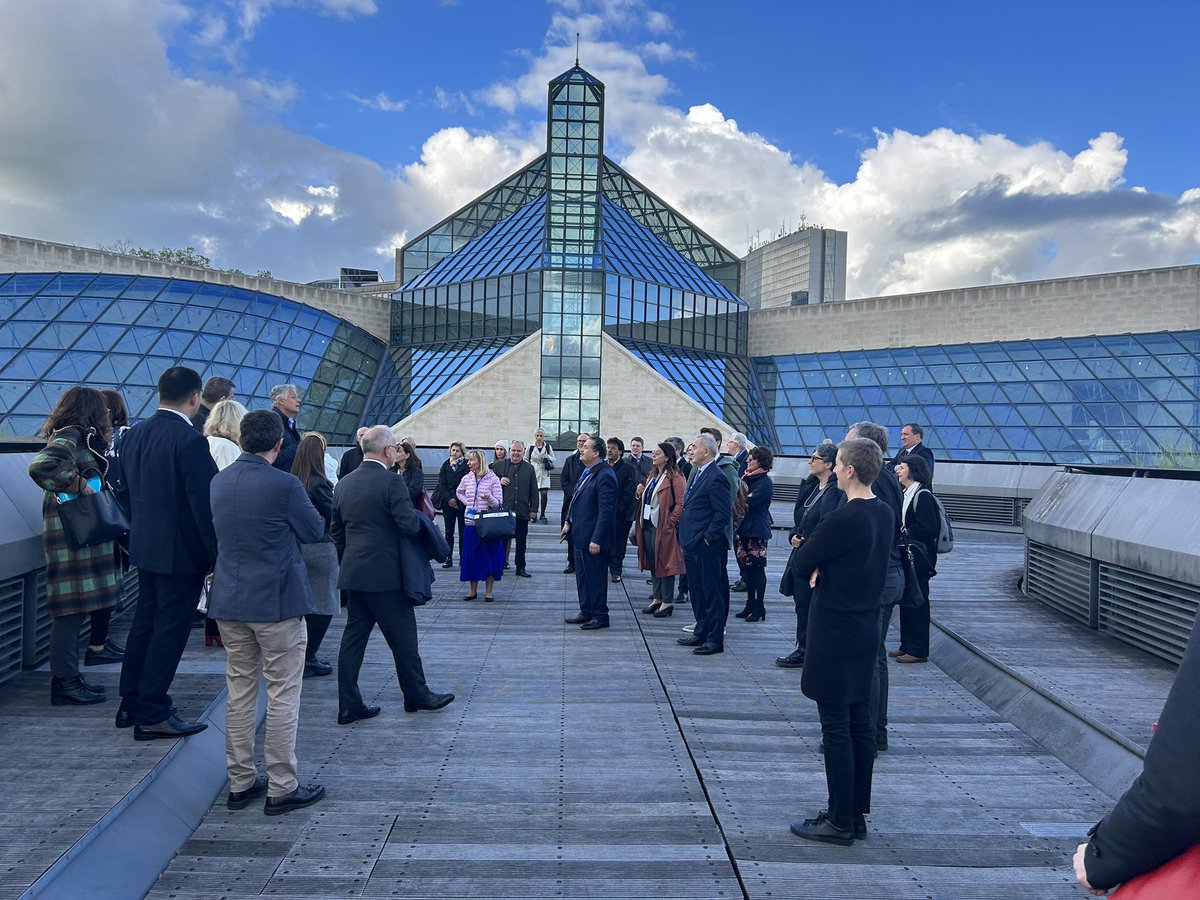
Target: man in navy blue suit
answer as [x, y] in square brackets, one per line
[167, 470]
[591, 518]
[707, 509]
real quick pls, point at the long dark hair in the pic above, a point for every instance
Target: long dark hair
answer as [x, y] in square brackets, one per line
[118, 412]
[80, 407]
[310, 459]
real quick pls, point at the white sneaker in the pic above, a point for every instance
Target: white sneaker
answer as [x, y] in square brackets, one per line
[690, 628]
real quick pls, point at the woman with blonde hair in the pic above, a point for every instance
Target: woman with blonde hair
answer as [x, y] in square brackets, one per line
[224, 432]
[480, 560]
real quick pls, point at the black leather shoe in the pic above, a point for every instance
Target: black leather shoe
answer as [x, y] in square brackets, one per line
[692, 641]
[578, 620]
[314, 668]
[94, 688]
[594, 625]
[72, 691]
[521, 573]
[881, 745]
[109, 654]
[616, 579]
[304, 795]
[241, 799]
[741, 615]
[860, 827]
[709, 649]
[348, 716]
[738, 586]
[652, 608]
[124, 716]
[569, 570]
[430, 703]
[171, 727]
[794, 660]
[822, 829]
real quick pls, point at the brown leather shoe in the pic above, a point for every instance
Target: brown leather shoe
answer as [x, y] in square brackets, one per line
[894, 653]
[908, 658]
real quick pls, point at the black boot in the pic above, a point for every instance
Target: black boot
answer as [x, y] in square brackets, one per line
[64, 691]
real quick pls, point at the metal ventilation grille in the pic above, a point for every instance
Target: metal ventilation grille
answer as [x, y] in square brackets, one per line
[1059, 579]
[37, 622]
[1153, 613]
[981, 510]
[12, 632]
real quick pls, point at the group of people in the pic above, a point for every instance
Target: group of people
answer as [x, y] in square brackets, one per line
[248, 516]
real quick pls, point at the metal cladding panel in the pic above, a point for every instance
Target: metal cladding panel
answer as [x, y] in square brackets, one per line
[12, 630]
[1070, 506]
[1059, 579]
[36, 623]
[1155, 527]
[1156, 614]
[982, 510]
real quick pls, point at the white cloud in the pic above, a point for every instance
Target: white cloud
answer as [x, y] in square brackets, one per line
[381, 102]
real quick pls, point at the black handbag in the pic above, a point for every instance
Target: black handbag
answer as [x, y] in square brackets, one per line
[92, 519]
[912, 597]
[495, 523]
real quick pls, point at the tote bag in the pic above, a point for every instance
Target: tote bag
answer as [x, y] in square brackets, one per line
[92, 519]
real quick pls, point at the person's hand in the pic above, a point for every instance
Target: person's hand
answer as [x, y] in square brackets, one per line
[85, 488]
[562, 535]
[504, 481]
[639, 490]
[813, 578]
[1081, 872]
[453, 503]
[795, 540]
[594, 548]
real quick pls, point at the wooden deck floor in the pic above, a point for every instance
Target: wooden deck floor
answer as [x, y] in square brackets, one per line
[618, 764]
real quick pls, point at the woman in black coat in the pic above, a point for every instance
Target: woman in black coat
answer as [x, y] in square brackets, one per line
[846, 560]
[1158, 818]
[921, 524]
[753, 533]
[818, 496]
[409, 466]
[449, 477]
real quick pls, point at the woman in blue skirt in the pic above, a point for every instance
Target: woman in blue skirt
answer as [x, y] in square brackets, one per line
[480, 560]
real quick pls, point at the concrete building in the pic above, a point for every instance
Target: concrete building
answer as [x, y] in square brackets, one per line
[805, 267]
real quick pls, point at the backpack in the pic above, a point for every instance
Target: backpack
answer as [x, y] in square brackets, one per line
[945, 540]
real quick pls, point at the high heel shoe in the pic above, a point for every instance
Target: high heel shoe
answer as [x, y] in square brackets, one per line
[654, 606]
[213, 640]
[743, 614]
[756, 617]
[664, 611]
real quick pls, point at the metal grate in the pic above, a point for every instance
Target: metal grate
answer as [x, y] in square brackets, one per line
[981, 510]
[1059, 579]
[1153, 613]
[12, 631]
[37, 620]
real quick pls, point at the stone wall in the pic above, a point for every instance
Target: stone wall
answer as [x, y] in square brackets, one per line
[18, 254]
[1139, 302]
[636, 400]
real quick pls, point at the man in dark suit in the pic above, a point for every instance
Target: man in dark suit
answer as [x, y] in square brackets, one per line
[591, 517]
[285, 400]
[353, 457]
[739, 449]
[571, 470]
[216, 389]
[167, 470]
[372, 514]
[627, 484]
[703, 535]
[911, 441]
[260, 595]
[642, 463]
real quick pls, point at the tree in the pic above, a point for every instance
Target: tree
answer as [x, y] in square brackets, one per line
[187, 256]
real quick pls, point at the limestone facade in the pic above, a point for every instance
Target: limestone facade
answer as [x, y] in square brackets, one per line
[1123, 302]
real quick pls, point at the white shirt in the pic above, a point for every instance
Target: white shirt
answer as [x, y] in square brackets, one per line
[177, 412]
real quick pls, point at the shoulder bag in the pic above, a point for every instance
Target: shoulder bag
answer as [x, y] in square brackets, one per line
[91, 519]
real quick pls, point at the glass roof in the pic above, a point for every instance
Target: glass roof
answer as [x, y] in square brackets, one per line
[513, 245]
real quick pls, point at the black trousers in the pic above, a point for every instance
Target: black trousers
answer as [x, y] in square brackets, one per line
[893, 590]
[803, 599]
[521, 538]
[708, 581]
[591, 583]
[398, 623]
[159, 632]
[914, 625]
[616, 556]
[849, 759]
[452, 516]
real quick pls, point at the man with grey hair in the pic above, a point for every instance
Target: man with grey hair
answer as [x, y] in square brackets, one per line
[353, 457]
[707, 510]
[285, 400]
[739, 449]
[521, 496]
[372, 516]
[886, 488]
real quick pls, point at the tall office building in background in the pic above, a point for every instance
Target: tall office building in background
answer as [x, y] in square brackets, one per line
[798, 269]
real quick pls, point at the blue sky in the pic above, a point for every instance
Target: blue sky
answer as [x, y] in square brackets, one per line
[957, 143]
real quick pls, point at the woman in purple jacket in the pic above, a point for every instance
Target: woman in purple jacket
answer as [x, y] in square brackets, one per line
[480, 560]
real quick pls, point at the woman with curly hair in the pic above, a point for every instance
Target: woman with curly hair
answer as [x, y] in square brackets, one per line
[78, 432]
